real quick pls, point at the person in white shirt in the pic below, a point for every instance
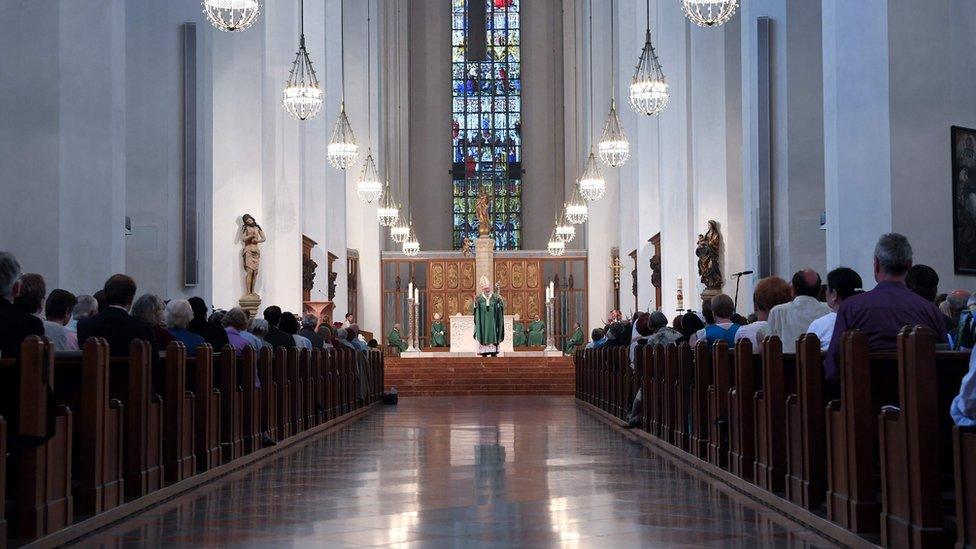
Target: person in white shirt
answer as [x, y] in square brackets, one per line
[963, 409]
[770, 292]
[791, 320]
[842, 283]
[57, 309]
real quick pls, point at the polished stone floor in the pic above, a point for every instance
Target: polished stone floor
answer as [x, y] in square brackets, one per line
[463, 472]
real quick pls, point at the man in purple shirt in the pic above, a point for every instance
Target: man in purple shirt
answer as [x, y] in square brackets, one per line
[885, 310]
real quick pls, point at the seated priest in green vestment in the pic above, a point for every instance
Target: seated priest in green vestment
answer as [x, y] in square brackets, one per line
[537, 333]
[489, 320]
[518, 338]
[395, 340]
[575, 341]
[438, 335]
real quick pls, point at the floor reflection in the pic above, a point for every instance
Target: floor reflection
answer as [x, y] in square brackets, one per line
[461, 472]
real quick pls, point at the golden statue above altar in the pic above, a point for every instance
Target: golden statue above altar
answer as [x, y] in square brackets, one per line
[481, 210]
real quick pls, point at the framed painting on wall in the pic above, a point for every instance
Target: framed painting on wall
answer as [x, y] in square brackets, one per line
[964, 200]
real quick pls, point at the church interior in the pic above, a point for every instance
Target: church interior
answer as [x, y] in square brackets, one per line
[481, 273]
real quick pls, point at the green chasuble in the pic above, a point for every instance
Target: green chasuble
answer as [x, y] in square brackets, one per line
[518, 338]
[395, 340]
[537, 333]
[574, 342]
[438, 337]
[489, 319]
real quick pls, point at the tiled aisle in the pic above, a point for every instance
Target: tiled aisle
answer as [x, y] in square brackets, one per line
[461, 472]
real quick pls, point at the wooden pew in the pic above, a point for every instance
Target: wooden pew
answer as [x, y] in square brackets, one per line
[806, 453]
[268, 393]
[851, 435]
[963, 450]
[207, 406]
[83, 386]
[231, 406]
[297, 383]
[179, 461]
[718, 406]
[660, 387]
[702, 378]
[913, 436]
[680, 365]
[778, 378]
[251, 398]
[37, 468]
[283, 392]
[315, 390]
[130, 380]
[331, 381]
[742, 441]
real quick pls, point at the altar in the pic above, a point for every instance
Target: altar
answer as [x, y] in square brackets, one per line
[462, 334]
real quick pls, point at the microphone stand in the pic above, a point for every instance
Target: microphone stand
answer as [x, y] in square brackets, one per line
[738, 277]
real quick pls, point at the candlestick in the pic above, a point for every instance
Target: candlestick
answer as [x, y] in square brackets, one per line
[410, 289]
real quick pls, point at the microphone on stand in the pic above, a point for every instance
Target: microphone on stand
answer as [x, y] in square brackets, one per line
[743, 273]
[738, 276]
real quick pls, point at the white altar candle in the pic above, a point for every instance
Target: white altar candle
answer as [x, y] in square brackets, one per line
[416, 295]
[410, 290]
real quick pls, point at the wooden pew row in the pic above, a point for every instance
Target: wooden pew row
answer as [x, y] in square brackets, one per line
[764, 419]
[91, 430]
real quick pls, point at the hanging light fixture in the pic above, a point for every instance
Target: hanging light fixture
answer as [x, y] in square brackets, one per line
[648, 88]
[614, 148]
[388, 211]
[411, 246]
[709, 13]
[556, 246]
[592, 184]
[565, 230]
[577, 211]
[343, 150]
[369, 187]
[400, 230]
[231, 15]
[303, 95]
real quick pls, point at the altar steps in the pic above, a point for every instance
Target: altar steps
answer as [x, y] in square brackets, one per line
[480, 376]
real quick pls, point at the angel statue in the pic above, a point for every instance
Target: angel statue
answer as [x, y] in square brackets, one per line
[707, 251]
[252, 235]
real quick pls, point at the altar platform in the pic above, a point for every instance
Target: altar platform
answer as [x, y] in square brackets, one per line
[516, 373]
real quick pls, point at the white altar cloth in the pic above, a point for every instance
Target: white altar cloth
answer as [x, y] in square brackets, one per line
[462, 334]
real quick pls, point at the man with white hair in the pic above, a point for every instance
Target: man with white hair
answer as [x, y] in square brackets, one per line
[885, 310]
[15, 325]
[87, 306]
[179, 313]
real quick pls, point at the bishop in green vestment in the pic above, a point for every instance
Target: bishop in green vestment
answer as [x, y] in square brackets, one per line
[537, 333]
[489, 320]
[438, 336]
[518, 338]
[574, 341]
[395, 340]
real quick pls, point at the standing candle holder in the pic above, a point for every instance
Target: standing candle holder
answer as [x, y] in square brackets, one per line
[550, 317]
[411, 324]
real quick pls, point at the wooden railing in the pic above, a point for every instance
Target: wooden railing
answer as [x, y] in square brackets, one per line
[877, 456]
[88, 433]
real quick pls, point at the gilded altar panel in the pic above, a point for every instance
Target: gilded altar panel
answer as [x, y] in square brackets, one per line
[453, 276]
[502, 274]
[533, 274]
[467, 276]
[452, 305]
[534, 306]
[437, 275]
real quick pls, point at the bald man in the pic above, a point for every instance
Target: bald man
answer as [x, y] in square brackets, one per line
[791, 320]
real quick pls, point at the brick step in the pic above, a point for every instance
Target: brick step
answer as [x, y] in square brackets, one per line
[480, 376]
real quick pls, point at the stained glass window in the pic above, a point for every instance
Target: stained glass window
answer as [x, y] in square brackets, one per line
[487, 121]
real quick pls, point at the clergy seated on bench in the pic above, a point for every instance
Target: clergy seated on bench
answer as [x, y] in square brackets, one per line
[882, 312]
[438, 334]
[114, 323]
[575, 340]
[537, 333]
[519, 335]
[394, 339]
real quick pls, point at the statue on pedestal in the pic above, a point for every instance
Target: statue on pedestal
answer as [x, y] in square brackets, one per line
[489, 320]
[252, 236]
[481, 210]
[709, 245]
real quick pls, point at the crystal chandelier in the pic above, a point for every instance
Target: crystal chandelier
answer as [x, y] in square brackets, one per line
[592, 185]
[400, 230]
[709, 13]
[303, 95]
[565, 230]
[369, 188]
[648, 88]
[388, 211]
[577, 211]
[556, 246]
[343, 150]
[231, 15]
[411, 246]
[613, 147]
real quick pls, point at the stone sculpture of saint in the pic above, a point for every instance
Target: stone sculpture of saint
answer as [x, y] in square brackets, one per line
[481, 210]
[707, 251]
[252, 236]
[489, 319]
